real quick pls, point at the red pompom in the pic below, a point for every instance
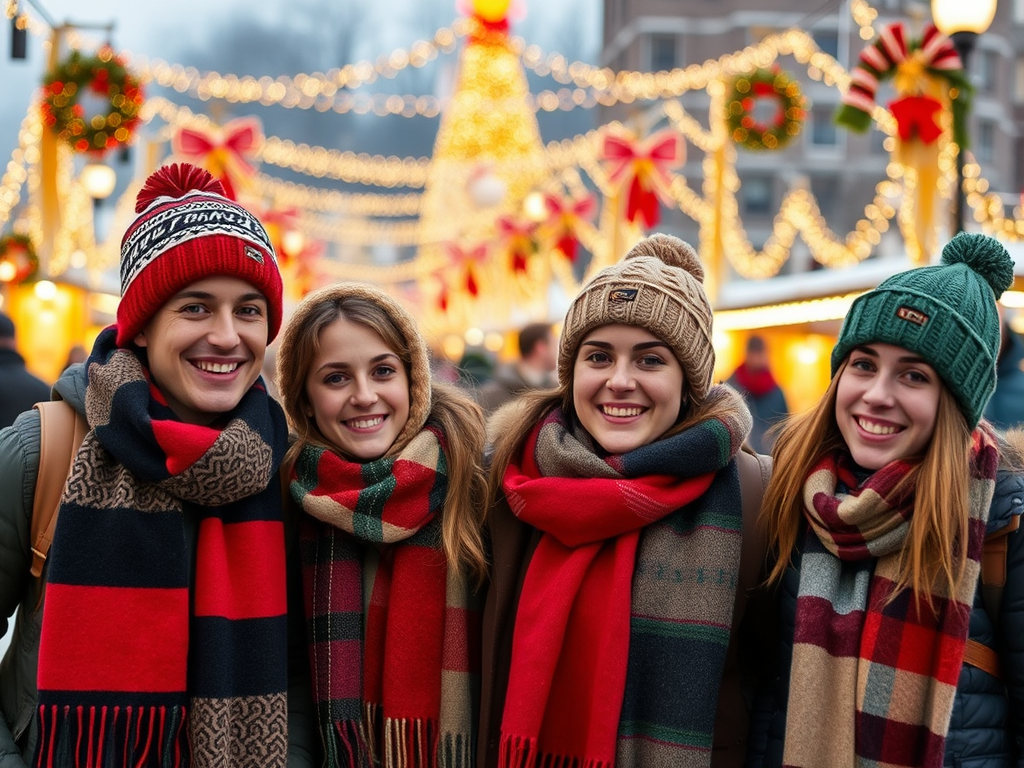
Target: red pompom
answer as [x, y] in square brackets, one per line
[174, 181]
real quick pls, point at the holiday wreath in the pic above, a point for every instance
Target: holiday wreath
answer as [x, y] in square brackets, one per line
[100, 81]
[786, 119]
[18, 259]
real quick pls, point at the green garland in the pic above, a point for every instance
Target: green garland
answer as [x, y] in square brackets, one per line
[745, 90]
[106, 76]
[18, 252]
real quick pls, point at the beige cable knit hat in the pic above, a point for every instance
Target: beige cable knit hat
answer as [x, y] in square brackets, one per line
[300, 324]
[657, 286]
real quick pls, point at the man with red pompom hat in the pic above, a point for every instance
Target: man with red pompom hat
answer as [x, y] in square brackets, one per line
[163, 639]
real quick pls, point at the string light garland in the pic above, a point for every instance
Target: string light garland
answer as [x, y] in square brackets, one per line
[565, 161]
[289, 194]
[741, 108]
[102, 75]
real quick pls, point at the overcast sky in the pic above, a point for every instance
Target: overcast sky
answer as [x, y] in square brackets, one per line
[164, 30]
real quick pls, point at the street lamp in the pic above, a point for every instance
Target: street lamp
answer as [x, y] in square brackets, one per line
[98, 180]
[962, 21]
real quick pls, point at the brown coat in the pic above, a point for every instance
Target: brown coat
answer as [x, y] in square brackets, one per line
[513, 543]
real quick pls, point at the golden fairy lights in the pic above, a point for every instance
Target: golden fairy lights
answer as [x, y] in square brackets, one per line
[396, 215]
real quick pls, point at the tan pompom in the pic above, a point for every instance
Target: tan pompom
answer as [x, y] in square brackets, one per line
[672, 251]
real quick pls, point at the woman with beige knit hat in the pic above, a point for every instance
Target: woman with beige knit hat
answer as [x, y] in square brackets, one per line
[386, 471]
[617, 523]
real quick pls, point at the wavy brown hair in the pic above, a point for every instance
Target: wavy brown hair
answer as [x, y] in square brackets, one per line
[939, 477]
[458, 416]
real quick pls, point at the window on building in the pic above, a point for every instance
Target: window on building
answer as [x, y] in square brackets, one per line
[984, 149]
[756, 194]
[663, 52]
[823, 128]
[827, 41]
[825, 188]
[988, 62]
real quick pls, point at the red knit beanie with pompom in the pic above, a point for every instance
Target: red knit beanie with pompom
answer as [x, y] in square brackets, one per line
[187, 230]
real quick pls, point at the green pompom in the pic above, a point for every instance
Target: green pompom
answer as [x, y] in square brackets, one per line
[983, 254]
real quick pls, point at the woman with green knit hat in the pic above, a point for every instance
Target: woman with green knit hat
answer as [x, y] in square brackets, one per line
[879, 505]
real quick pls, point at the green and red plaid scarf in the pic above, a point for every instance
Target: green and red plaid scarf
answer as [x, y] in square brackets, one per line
[636, 570]
[873, 681]
[137, 666]
[395, 638]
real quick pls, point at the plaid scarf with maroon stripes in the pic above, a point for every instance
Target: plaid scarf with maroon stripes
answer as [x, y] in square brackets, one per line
[139, 665]
[873, 681]
[394, 636]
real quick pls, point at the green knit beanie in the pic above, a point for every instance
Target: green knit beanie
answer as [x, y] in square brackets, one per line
[945, 313]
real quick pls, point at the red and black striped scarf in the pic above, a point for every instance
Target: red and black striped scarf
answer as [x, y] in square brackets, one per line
[139, 665]
[635, 570]
[873, 679]
[395, 637]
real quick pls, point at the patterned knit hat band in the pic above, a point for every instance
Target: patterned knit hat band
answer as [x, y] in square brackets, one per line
[658, 287]
[187, 231]
[945, 313]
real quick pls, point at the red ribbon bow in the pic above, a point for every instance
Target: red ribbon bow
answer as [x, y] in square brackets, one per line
[518, 237]
[643, 165]
[468, 259]
[564, 216]
[225, 151]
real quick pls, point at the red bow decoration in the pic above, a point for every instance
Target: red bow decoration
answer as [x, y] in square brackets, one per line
[469, 259]
[518, 237]
[225, 151]
[564, 216]
[643, 165]
[279, 222]
[916, 116]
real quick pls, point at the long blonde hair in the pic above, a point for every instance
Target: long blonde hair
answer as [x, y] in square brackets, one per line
[940, 478]
[460, 419]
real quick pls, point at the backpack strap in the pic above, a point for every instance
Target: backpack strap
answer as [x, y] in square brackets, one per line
[61, 431]
[993, 579]
[993, 568]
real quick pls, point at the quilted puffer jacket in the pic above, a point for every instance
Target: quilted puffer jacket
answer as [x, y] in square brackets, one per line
[987, 726]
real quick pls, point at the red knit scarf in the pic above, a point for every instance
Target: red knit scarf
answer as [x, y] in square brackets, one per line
[572, 631]
[142, 663]
[756, 382]
[394, 636]
[873, 679]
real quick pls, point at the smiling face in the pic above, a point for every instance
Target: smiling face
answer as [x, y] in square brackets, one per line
[206, 346]
[887, 400]
[627, 387]
[358, 390]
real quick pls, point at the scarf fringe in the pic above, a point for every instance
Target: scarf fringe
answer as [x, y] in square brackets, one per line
[405, 743]
[111, 736]
[346, 744]
[521, 752]
[456, 750]
[410, 743]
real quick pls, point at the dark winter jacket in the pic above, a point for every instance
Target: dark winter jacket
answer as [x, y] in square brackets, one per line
[19, 389]
[1005, 409]
[987, 725]
[513, 543]
[19, 462]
